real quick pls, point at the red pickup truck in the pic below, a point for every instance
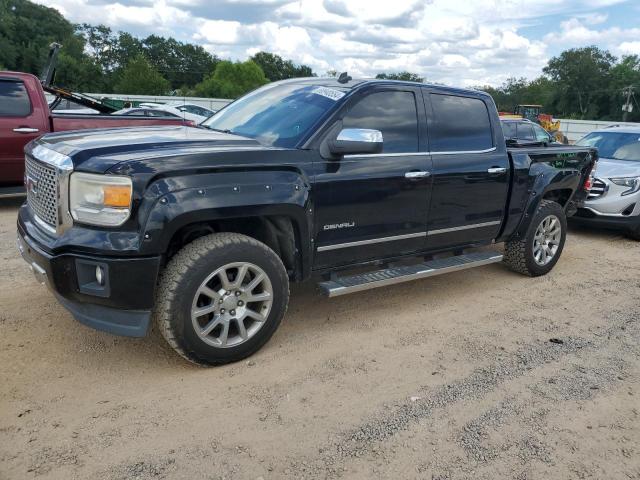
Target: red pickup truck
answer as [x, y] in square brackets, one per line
[25, 115]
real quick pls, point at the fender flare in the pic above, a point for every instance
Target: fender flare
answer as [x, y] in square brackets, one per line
[170, 204]
[546, 179]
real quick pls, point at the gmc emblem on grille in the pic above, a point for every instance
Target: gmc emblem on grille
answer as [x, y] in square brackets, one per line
[31, 184]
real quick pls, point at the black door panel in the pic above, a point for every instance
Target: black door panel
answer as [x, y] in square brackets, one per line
[366, 205]
[470, 173]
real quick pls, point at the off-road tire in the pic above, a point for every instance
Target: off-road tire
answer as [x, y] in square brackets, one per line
[184, 274]
[518, 253]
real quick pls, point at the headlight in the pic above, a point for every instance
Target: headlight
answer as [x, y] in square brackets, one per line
[100, 199]
[633, 183]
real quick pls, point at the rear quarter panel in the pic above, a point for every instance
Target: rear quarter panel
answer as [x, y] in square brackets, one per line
[537, 173]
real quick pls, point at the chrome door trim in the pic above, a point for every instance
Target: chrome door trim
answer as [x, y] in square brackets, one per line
[413, 154]
[465, 152]
[26, 130]
[363, 155]
[337, 246]
[464, 227]
[496, 170]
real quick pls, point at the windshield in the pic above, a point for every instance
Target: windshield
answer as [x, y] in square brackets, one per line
[614, 145]
[278, 115]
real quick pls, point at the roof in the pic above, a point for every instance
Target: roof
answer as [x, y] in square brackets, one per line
[509, 119]
[620, 129]
[357, 82]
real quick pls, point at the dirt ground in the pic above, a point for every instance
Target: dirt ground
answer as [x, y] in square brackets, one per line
[453, 377]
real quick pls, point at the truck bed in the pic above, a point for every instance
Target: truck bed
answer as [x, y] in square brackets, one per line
[64, 121]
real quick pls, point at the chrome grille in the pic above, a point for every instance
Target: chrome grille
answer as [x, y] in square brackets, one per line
[41, 182]
[597, 189]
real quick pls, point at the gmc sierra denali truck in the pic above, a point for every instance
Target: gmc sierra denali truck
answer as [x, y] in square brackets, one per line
[201, 230]
[25, 115]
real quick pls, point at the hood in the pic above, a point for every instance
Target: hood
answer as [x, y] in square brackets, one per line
[99, 150]
[609, 168]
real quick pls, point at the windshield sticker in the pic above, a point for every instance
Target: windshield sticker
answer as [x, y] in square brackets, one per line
[334, 95]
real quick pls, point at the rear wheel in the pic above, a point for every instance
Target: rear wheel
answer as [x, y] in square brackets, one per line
[221, 298]
[538, 252]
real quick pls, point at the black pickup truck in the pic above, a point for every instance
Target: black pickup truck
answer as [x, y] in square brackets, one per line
[201, 230]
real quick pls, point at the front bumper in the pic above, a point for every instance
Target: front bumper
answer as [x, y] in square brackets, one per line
[122, 306]
[585, 216]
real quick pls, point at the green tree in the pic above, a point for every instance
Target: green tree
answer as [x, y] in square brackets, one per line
[581, 78]
[517, 91]
[622, 75]
[180, 63]
[231, 80]
[140, 78]
[406, 76]
[276, 68]
[26, 30]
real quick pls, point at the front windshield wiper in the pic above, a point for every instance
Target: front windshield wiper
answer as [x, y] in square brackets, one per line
[217, 129]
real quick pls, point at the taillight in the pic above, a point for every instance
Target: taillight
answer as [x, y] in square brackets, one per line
[190, 123]
[588, 183]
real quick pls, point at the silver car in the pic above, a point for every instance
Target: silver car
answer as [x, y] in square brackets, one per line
[614, 199]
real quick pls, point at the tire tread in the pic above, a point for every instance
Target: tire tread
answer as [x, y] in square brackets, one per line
[177, 268]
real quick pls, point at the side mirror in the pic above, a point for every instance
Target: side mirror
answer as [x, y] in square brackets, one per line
[356, 140]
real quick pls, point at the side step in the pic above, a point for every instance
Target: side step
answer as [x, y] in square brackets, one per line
[389, 276]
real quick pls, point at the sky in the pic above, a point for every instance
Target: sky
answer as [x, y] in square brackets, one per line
[455, 42]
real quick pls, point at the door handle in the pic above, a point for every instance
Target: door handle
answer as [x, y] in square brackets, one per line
[497, 170]
[417, 174]
[26, 130]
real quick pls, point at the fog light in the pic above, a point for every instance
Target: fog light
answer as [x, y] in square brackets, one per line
[99, 275]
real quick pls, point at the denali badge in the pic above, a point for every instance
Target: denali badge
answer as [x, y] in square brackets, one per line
[335, 226]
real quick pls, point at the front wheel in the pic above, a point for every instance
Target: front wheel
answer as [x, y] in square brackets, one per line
[538, 252]
[221, 298]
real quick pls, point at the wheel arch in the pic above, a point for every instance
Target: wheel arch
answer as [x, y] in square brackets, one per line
[268, 206]
[558, 185]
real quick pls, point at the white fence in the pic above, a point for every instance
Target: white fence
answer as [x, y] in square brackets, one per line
[574, 130]
[210, 103]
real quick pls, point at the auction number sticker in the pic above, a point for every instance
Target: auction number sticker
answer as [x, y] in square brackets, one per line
[334, 95]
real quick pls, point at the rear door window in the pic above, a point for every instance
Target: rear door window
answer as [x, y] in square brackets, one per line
[541, 134]
[525, 132]
[14, 100]
[509, 129]
[459, 124]
[393, 113]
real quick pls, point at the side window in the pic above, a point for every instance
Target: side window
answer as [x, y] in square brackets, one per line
[541, 134]
[14, 100]
[393, 113]
[509, 129]
[525, 131]
[459, 124]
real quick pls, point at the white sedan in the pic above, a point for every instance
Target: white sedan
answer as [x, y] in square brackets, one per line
[188, 111]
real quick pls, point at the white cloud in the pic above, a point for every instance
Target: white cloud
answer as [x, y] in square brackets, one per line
[576, 33]
[629, 48]
[456, 42]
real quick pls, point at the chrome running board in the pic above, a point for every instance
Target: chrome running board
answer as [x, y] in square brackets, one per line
[390, 276]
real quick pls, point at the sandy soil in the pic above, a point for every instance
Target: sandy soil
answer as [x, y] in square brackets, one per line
[447, 378]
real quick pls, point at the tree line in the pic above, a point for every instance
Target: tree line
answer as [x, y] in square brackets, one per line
[97, 59]
[581, 83]
[584, 82]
